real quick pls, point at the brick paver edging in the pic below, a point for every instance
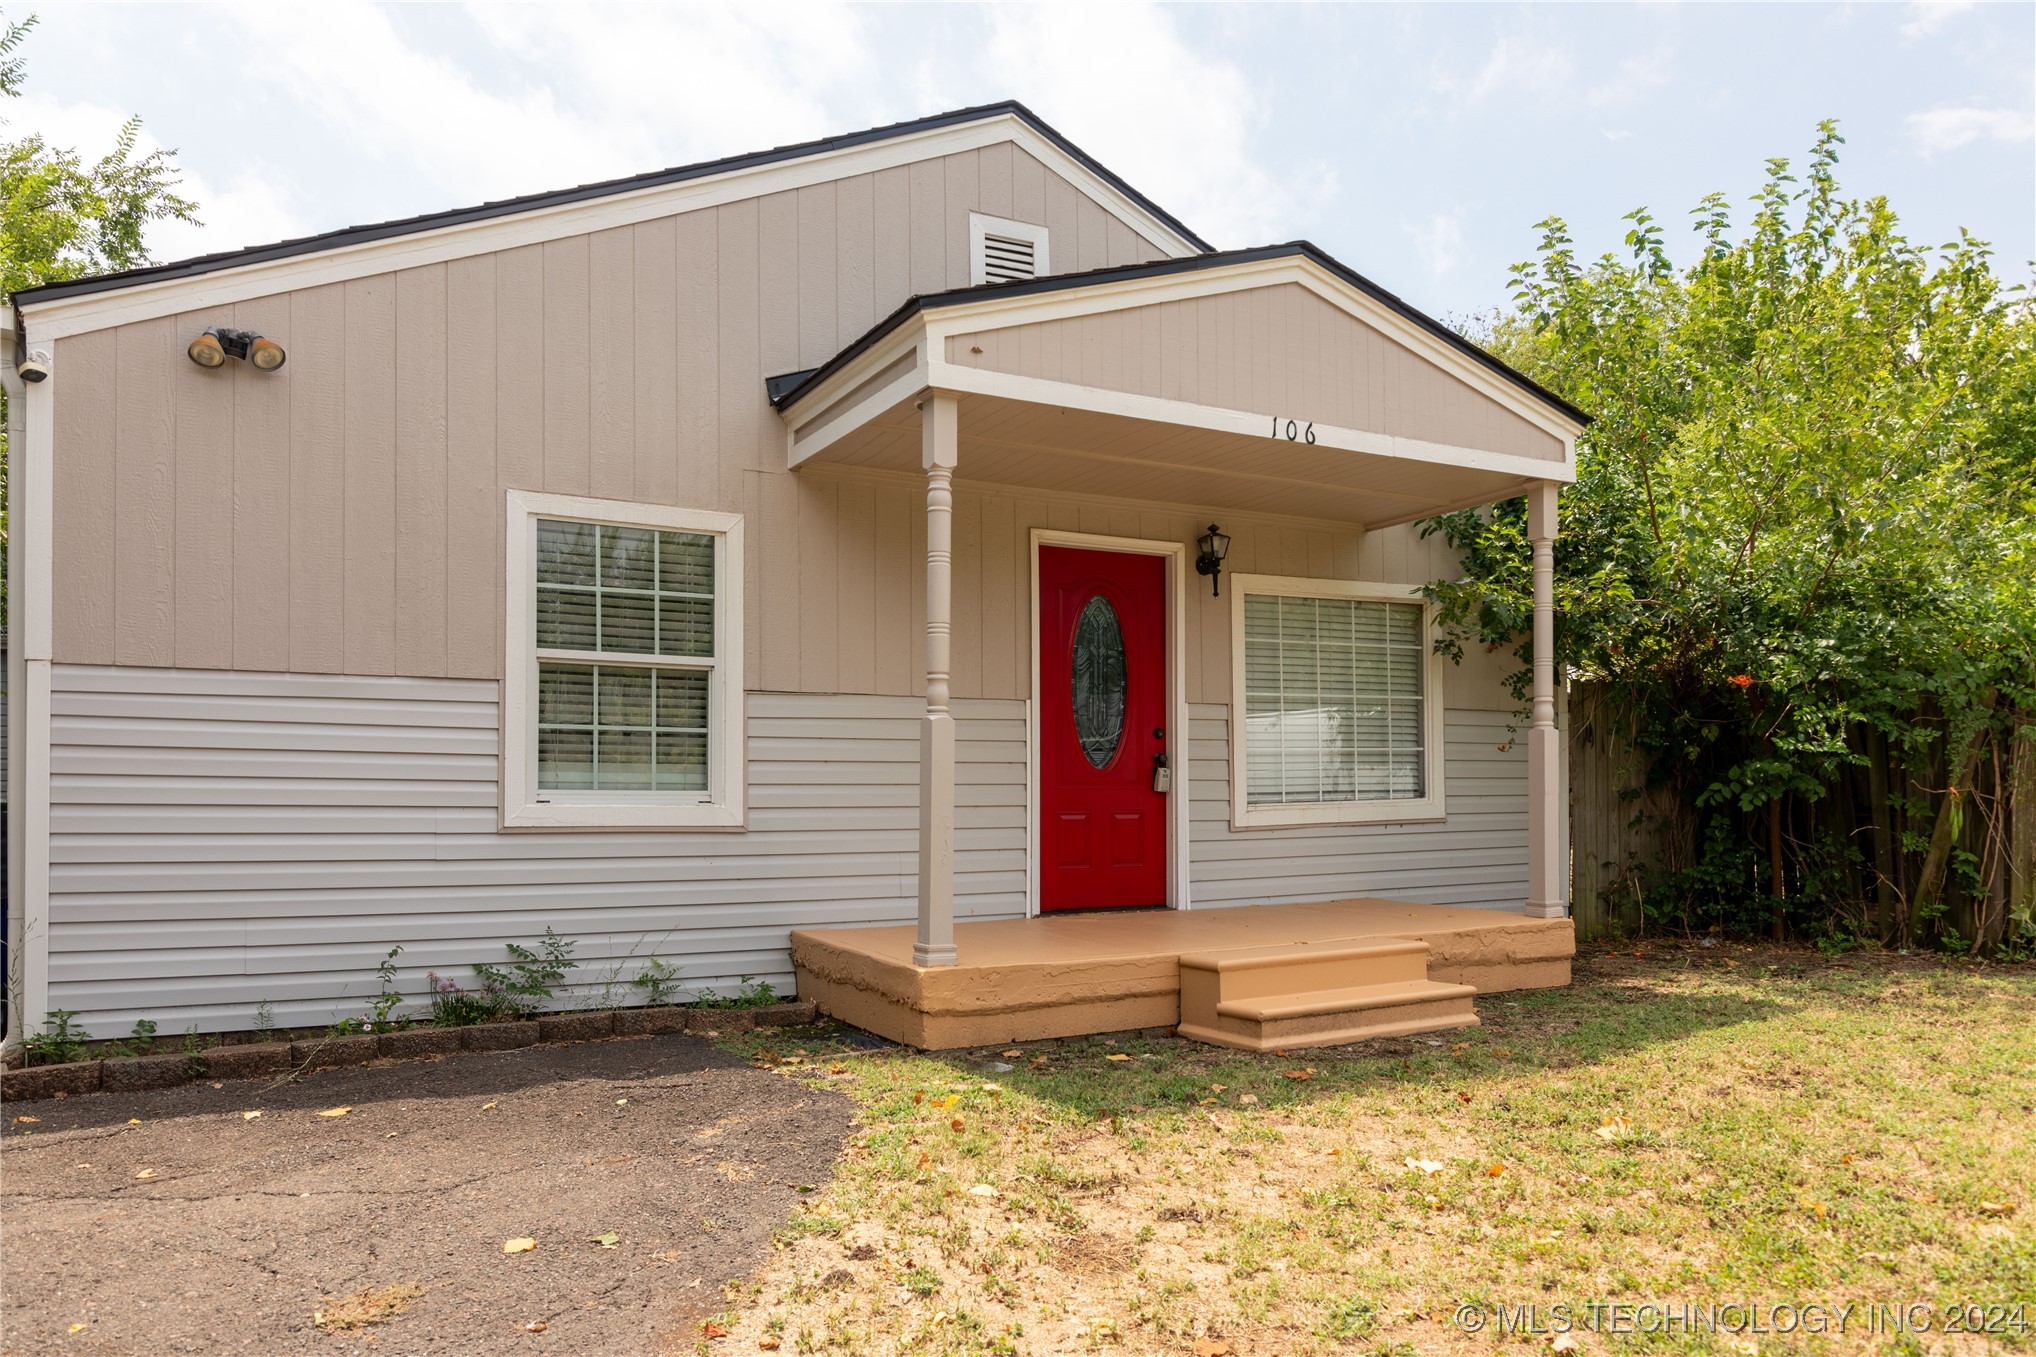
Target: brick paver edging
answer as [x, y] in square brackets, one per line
[275, 1059]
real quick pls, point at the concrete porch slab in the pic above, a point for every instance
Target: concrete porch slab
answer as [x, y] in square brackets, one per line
[1071, 975]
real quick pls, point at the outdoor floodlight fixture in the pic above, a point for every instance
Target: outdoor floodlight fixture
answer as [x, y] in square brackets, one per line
[219, 343]
[1214, 547]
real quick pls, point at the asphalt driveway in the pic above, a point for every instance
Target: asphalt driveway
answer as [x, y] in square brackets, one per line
[647, 1172]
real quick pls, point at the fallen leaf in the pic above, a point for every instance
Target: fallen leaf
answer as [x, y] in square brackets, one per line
[1564, 1342]
[1116, 1055]
[1248, 1099]
[75, 1328]
[219, 1086]
[768, 1344]
[335, 1111]
[1211, 1347]
[607, 1240]
[1845, 1159]
[918, 1096]
[30, 1120]
[1613, 1128]
[1998, 1208]
[713, 1330]
[1299, 1074]
[145, 1173]
[524, 1244]
[1426, 1165]
[622, 1102]
[1218, 1088]
[667, 1256]
[993, 1088]
[536, 1326]
[955, 1125]
[982, 1190]
[1495, 1170]
[1013, 1054]
[837, 1069]
[1463, 1095]
[249, 1116]
[490, 1107]
[134, 1121]
[1816, 1206]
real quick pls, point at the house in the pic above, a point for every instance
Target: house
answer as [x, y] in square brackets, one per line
[890, 565]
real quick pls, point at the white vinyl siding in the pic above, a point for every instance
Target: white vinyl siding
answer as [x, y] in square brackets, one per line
[1475, 858]
[220, 839]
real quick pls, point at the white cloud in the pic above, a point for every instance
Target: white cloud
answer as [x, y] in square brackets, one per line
[1125, 86]
[1617, 133]
[1438, 240]
[349, 65]
[1634, 77]
[1930, 16]
[1517, 64]
[1947, 129]
[753, 76]
[250, 210]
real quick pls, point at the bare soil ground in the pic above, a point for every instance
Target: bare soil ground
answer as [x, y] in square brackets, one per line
[175, 1222]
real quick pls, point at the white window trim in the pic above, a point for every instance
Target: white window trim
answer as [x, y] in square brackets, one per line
[724, 804]
[981, 226]
[1430, 807]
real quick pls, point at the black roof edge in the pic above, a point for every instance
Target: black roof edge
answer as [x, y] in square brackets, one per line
[786, 390]
[431, 221]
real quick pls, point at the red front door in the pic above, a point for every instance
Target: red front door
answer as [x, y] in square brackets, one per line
[1102, 726]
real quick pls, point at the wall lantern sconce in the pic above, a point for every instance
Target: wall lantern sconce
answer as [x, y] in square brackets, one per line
[1214, 546]
[219, 343]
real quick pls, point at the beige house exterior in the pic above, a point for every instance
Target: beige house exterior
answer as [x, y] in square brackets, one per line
[301, 670]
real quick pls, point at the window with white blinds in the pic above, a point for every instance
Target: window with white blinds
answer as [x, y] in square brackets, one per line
[627, 702]
[1334, 704]
[630, 720]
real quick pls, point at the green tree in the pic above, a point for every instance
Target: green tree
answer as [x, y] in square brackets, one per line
[1804, 511]
[62, 218]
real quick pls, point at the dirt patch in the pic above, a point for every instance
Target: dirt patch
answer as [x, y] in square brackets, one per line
[174, 1222]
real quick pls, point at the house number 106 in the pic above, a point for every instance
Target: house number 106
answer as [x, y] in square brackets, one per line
[1292, 431]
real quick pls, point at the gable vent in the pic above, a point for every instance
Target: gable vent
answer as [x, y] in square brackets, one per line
[1003, 251]
[1007, 259]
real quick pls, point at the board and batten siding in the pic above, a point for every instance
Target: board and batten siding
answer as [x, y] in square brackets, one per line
[221, 839]
[1476, 858]
[344, 514]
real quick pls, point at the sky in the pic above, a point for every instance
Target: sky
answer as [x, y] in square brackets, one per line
[1419, 144]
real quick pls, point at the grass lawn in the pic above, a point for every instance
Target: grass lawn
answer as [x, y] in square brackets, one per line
[1722, 1125]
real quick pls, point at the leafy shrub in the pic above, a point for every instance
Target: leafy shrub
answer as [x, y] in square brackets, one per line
[658, 982]
[532, 978]
[452, 1006]
[754, 993]
[58, 1044]
[382, 1010]
[140, 1040]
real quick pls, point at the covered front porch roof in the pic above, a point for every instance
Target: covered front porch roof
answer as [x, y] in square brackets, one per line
[1272, 379]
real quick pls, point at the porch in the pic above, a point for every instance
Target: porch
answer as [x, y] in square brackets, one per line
[1066, 975]
[1272, 382]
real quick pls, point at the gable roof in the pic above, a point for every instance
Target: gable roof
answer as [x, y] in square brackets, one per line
[786, 390]
[359, 235]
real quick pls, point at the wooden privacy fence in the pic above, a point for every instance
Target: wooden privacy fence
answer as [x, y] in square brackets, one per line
[1633, 827]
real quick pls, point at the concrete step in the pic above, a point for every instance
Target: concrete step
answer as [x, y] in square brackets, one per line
[1284, 998]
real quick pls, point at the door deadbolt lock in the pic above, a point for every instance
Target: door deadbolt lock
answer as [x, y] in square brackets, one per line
[1162, 776]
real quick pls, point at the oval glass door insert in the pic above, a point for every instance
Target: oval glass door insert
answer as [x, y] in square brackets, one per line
[1098, 678]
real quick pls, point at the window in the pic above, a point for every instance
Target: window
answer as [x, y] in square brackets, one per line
[1003, 251]
[623, 688]
[1336, 706]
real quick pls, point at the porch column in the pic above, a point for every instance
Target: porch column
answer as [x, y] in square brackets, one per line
[939, 423]
[1547, 854]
